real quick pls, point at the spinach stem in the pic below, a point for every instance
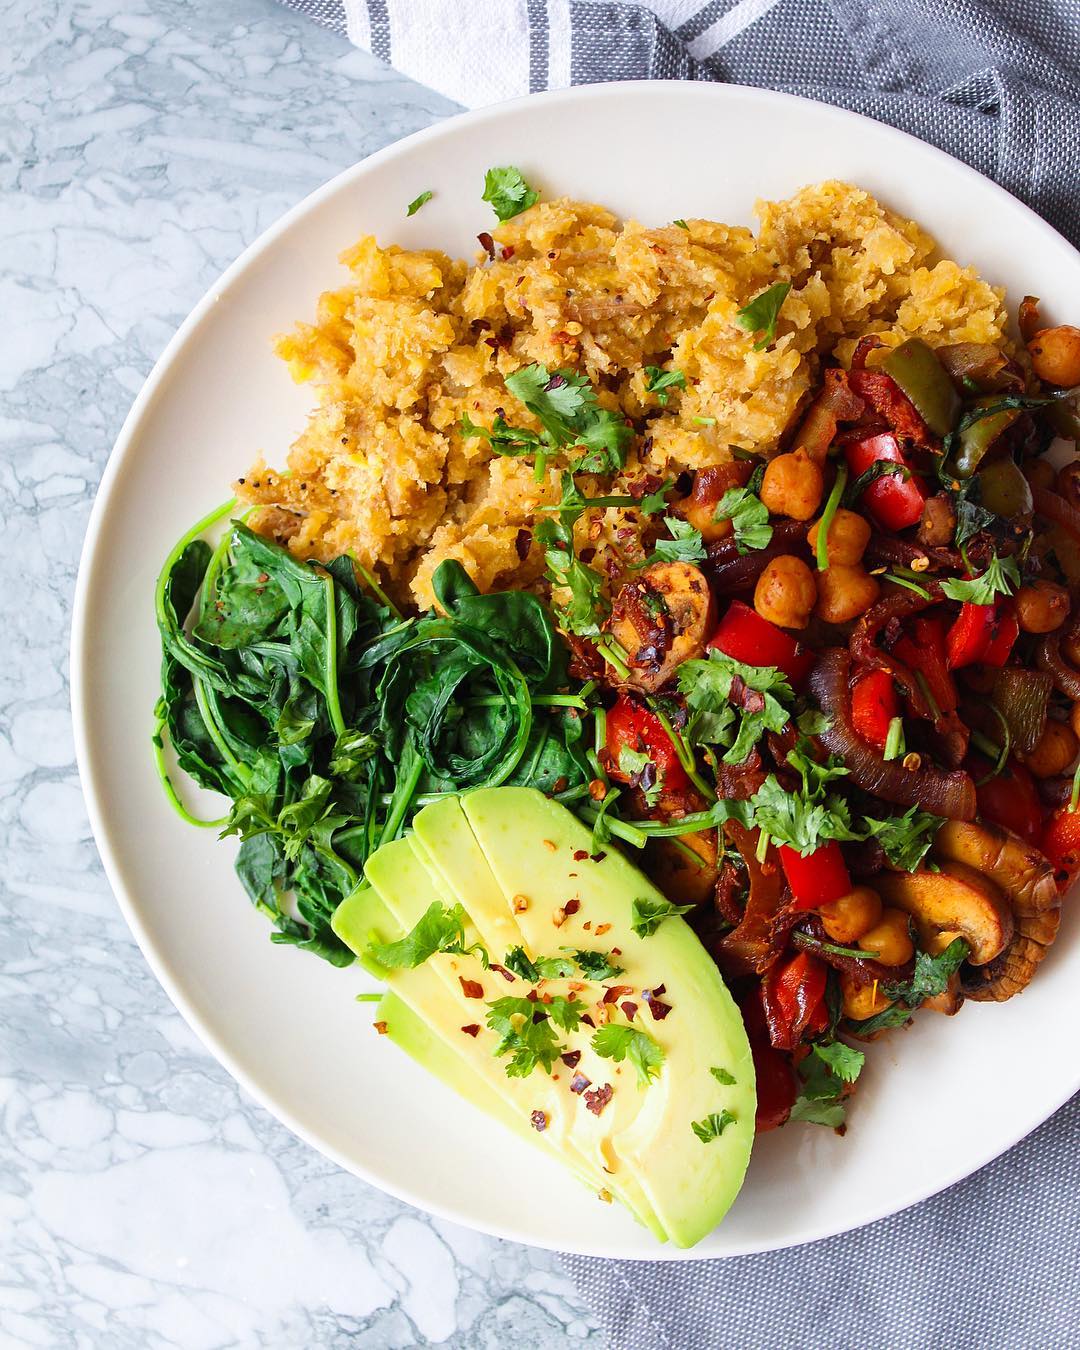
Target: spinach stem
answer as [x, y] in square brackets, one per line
[620, 828]
[333, 700]
[827, 517]
[606, 647]
[403, 794]
[375, 588]
[216, 732]
[200, 527]
[538, 701]
[170, 788]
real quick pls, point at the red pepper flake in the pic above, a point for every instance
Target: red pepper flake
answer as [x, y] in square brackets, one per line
[597, 789]
[598, 1098]
[561, 783]
[572, 906]
[539, 1121]
[580, 854]
[507, 252]
[550, 845]
[614, 992]
[522, 544]
[616, 951]
[532, 995]
[630, 1009]
[539, 1016]
[602, 928]
[598, 857]
[507, 975]
[571, 1058]
[380, 1027]
[587, 924]
[487, 244]
[657, 1007]
[471, 988]
[579, 1083]
[473, 1029]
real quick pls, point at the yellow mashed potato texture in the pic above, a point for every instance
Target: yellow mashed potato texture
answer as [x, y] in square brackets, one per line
[415, 341]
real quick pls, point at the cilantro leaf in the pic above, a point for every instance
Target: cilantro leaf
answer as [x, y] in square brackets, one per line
[439, 929]
[1000, 578]
[681, 224]
[824, 1072]
[931, 975]
[508, 192]
[906, 839]
[565, 404]
[418, 202]
[971, 518]
[812, 722]
[660, 381]
[526, 1030]
[648, 914]
[711, 728]
[707, 685]
[761, 314]
[543, 968]
[586, 608]
[636, 765]
[797, 820]
[618, 1042]
[749, 518]
[595, 965]
[503, 438]
[723, 1076]
[713, 1126]
[684, 545]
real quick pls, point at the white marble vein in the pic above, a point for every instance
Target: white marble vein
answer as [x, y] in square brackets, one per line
[144, 1201]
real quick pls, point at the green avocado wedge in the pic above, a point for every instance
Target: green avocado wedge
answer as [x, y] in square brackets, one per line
[690, 1144]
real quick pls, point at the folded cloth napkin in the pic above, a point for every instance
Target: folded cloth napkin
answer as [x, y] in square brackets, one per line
[992, 1262]
[994, 82]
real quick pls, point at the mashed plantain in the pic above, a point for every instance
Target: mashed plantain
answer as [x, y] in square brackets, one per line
[415, 342]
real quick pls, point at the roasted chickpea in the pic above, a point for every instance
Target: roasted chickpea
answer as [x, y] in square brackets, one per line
[1074, 718]
[1055, 750]
[938, 524]
[1039, 474]
[1070, 648]
[793, 485]
[1055, 355]
[786, 592]
[849, 534]
[890, 937]
[844, 593]
[861, 1000]
[1041, 606]
[854, 914]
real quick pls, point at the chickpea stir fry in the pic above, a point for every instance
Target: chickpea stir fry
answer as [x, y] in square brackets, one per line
[837, 696]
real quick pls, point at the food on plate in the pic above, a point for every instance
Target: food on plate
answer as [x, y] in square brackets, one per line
[643, 614]
[642, 1053]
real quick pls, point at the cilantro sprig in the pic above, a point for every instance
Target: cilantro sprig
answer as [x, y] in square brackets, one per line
[418, 202]
[507, 192]
[647, 914]
[713, 1126]
[526, 1030]
[619, 1042]
[684, 545]
[439, 929]
[749, 518]
[659, 381]
[635, 765]
[825, 1072]
[1001, 577]
[906, 839]
[806, 819]
[707, 686]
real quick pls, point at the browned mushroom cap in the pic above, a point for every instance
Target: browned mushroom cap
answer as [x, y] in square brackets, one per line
[955, 902]
[1027, 880]
[661, 619]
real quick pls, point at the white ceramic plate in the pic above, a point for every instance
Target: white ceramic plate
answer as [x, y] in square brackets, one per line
[936, 1102]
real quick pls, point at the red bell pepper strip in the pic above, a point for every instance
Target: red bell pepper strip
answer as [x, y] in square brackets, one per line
[818, 878]
[792, 996]
[923, 651]
[981, 633]
[873, 706]
[745, 636]
[1010, 799]
[631, 725]
[894, 502]
[1061, 844]
[777, 1085]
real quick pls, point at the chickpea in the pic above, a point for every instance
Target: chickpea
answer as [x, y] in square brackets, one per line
[861, 1000]
[848, 918]
[1055, 750]
[786, 592]
[844, 593]
[793, 485]
[1074, 718]
[848, 537]
[890, 937]
[1041, 606]
[1039, 474]
[1055, 355]
[1070, 648]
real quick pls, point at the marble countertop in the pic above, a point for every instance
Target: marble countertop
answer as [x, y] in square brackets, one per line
[145, 1200]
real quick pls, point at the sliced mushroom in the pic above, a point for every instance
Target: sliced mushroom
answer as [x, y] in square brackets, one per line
[1027, 879]
[956, 902]
[951, 1000]
[661, 619]
[1019, 869]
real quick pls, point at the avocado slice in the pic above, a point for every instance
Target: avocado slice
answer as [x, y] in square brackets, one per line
[445, 843]
[539, 851]
[400, 881]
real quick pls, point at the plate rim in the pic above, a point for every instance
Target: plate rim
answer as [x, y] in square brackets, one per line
[103, 832]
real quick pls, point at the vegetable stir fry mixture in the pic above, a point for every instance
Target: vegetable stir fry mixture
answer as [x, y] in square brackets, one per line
[825, 690]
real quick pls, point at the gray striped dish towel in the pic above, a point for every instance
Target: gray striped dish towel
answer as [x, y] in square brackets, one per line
[992, 1262]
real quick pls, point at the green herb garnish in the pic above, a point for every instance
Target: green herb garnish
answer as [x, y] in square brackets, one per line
[507, 192]
[713, 1126]
[418, 202]
[1001, 577]
[618, 1042]
[906, 839]
[648, 914]
[659, 381]
[761, 314]
[749, 518]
